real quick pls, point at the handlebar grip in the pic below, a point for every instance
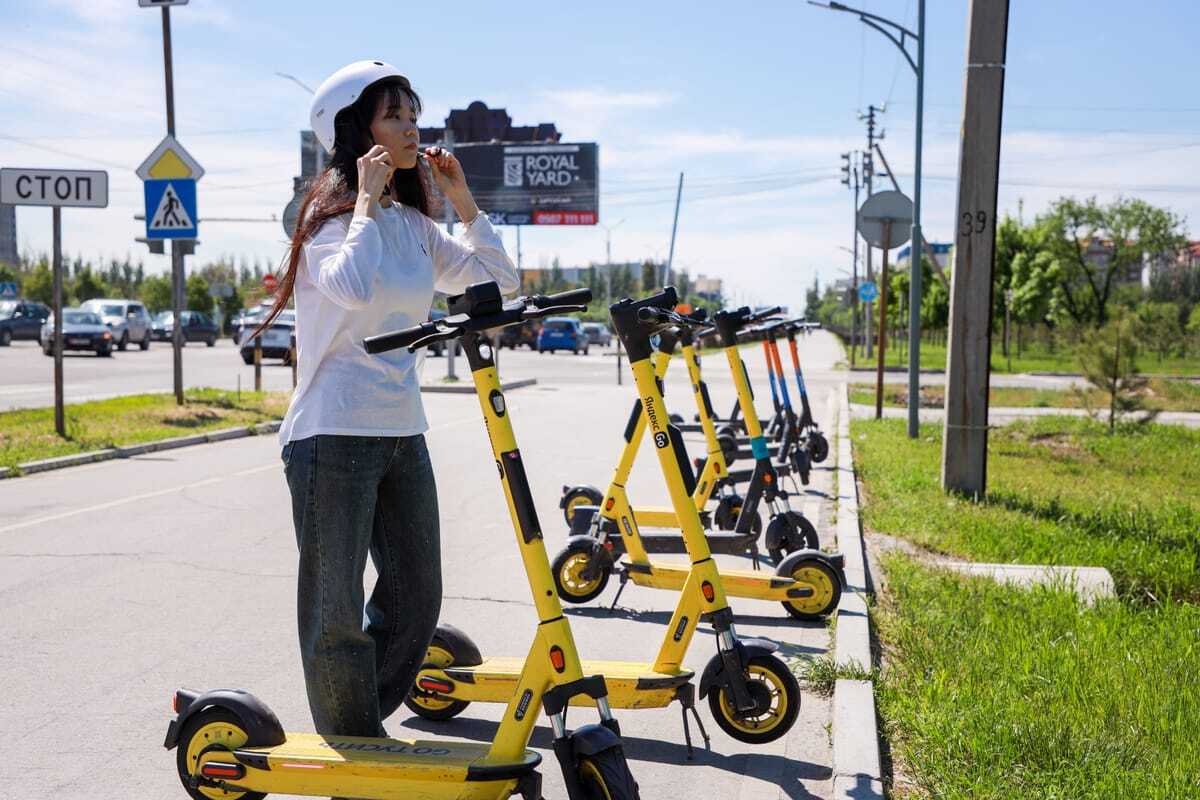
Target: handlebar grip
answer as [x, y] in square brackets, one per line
[383, 342]
[651, 314]
[766, 312]
[573, 297]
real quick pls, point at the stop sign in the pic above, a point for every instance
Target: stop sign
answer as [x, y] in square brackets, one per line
[269, 282]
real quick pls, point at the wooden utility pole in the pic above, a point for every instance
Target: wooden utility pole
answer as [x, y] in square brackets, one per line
[968, 360]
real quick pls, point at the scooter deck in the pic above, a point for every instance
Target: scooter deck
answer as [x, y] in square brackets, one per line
[631, 684]
[737, 582]
[312, 764]
[728, 543]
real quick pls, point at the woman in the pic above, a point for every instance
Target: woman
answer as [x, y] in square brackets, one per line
[366, 259]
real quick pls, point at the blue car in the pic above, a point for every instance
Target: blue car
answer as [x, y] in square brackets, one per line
[562, 333]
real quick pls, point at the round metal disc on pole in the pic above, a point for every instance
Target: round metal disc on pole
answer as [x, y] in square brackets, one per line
[892, 207]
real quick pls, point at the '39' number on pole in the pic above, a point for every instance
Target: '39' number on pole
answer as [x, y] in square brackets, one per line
[973, 223]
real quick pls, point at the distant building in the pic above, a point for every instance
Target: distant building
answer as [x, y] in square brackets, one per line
[1187, 259]
[707, 288]
[8, 234]
[478, 123]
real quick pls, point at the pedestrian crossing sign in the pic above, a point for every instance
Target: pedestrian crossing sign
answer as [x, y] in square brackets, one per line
[171, 208]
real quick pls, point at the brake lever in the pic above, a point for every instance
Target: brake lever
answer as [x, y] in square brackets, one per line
[425, 341]
[533, 312]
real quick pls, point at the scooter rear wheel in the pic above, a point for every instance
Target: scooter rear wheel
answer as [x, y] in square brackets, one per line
[568, 567]
[777, 696]
[606, 776]
[818, 446]
[440, 654]
[215, 726]
[579, 496]
[826, 585]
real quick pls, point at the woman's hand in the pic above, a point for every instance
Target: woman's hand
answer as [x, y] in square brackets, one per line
[374, 171]
[448, 173]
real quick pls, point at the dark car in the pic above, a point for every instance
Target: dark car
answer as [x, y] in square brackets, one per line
[21, 319]
[276, 340]
[562, 333]
[197, 327]
[515, 336]
[81, 330]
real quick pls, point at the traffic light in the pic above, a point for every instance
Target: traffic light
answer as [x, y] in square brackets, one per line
[845, 169]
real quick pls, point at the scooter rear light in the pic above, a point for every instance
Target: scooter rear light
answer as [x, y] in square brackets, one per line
[435, 685]
[557, 659]
[710, 594]
[215, 769]
[608, 504]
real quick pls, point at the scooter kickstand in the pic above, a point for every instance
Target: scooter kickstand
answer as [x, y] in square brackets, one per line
[624, 580]
[687, 702]
[754, 556]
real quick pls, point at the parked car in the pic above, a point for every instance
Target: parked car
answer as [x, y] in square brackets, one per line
[21, 319]
[127, 319]
[81, 330]
[197, 327]
[249, 318]
[276, 339]
[597, 333]
[562, 333]
[515, 336]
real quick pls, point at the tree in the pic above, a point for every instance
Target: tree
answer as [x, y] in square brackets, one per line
[89, 285]
[156, 293]
[1125, 230]
[649, 276]
[1108, 360]
[39, 286]
[1159, 328]
[198, 298]
[812, 297]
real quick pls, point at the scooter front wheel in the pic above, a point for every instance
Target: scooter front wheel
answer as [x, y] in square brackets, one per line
[569, 568]
[215, 726]
[776, 696]
[440, 654]
[789, 532]
[817, 575]
[605, 776]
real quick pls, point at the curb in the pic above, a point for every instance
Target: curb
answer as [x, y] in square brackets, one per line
[469, 388]
[857, 773]
[78, 459]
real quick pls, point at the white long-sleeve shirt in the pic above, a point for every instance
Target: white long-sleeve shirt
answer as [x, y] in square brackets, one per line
[357, 277]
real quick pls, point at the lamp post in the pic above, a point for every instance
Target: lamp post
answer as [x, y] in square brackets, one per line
[899, 36]
[608, 229]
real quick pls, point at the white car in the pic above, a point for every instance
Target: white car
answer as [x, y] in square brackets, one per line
[126, 319]
[276, 340]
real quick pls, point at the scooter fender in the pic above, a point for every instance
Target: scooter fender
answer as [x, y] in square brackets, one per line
[835, 561]
[581, 521]
[588, 740]
[261, 725]
[601, 557]
[714, 674]
[778, 529]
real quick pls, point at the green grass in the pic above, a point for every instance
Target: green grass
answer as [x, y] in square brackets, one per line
[28, 435]
[1162, 394]
[1060, 491]
[1034, 358]
[991, 692]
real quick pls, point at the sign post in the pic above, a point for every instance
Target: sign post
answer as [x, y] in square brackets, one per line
[55, 188]
[878, 217]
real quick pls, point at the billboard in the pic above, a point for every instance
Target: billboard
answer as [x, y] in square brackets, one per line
[533, 184]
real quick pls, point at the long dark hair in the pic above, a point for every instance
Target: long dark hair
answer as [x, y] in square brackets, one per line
[335, 191]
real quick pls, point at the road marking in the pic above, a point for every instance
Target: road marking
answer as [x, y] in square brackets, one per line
[134, 498]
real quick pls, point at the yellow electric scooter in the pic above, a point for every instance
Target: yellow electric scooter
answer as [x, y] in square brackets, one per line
[787, 531]
[230, 745]
[807, 582]
[751, 693]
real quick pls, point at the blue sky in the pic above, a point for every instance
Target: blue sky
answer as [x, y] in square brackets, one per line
[753, 101]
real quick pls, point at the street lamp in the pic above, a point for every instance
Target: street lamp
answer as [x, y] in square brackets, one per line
[608, 229]
[914, 285]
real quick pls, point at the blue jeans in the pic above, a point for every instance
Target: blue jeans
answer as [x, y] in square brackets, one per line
[354, 495]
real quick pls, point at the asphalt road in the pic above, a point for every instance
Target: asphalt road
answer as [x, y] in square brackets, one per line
[123, 580]
[26, 375]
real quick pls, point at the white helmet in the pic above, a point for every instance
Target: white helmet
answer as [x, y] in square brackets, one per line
[340, 90]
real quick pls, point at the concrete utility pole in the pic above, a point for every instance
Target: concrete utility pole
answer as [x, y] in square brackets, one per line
[968, 360]
[608, 229]
[850, 179]
[868, 170]
[674, 227]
